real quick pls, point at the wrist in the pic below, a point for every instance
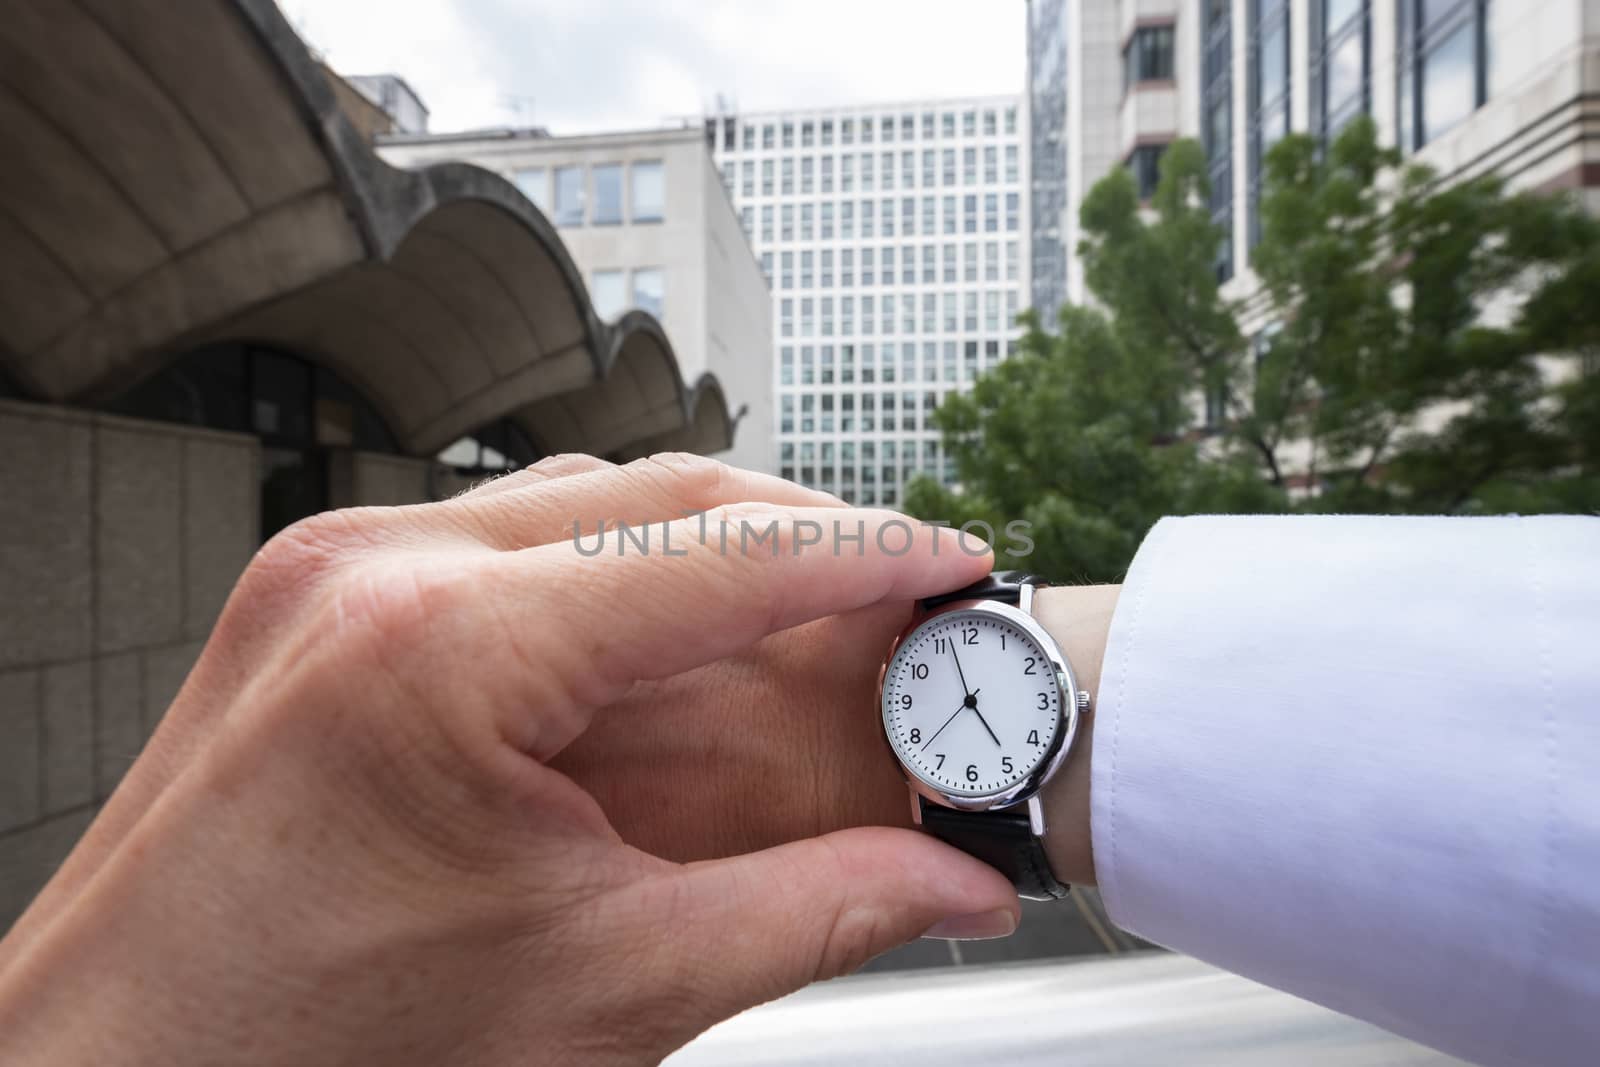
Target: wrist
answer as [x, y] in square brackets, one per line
[1079, 619]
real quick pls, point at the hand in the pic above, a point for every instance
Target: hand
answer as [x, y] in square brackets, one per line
[348, 841]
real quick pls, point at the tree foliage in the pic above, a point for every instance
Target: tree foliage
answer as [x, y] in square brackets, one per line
[1411, 345]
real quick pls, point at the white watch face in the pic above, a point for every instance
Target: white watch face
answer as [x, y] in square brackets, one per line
[971, 703]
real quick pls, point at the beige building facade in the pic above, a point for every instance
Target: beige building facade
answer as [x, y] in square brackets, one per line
[650, 227]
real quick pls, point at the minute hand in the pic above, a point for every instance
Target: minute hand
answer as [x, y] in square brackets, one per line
[959, 672]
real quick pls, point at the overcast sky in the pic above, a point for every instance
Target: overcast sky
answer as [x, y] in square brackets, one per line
[581, 65]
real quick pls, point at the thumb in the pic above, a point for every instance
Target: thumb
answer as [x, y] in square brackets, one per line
[751, 928]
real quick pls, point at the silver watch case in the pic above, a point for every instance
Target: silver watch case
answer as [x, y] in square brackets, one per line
[1069, 703]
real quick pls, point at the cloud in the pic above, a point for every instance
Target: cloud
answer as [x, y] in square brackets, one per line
[582, 65]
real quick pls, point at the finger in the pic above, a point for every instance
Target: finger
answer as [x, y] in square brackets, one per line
[570, 499]
[686, 596]
[746, 930]
[546, 469]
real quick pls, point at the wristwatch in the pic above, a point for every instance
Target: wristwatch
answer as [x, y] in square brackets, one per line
[980, 708]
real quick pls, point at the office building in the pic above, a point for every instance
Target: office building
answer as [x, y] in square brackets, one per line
[650, 227]
[1462, 85]
[894, 240]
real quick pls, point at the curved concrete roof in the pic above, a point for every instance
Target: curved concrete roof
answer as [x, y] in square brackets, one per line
[181, 174]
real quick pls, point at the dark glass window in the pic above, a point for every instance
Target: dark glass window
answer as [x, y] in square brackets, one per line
[1145, 163]
[1443, 66]
[1340, 65]
[1148, 56]
[1217, 130]
[1269, 93]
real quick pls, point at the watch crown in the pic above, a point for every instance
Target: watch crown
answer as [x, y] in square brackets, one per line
[1083, 701]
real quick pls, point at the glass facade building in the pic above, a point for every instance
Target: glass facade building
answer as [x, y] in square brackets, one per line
[893, 238]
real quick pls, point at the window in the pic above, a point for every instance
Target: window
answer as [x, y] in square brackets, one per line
[607, 194]
[825, 166]
[533, 183]
[866, 172]
[949, 214]
[1011, 261]
[805, 222]
[1011, 163]
[569, 196]
[788, 135]
[766, 223]
[807, 175]
[930, 216]
[908, 127]
[948, 258]
[787, 186]
[1269, 93]
[927, 125]
[747, 138]
[930, 265]
[1011, 120]
[847, 267]
[786, 278]
[807, 259]
[847, 174]
[786, 317]
[908, 267]
[886, 218]
[886, 129]
[1340, 65]
[969, 123]
[866, 218]
[930, 169]
[1145, 163]
[991, 213]
[827, 133]
[1443, 66]
[991, 261]
[807, 135]
[786, 370]
[866, 130]
[608, 290]
[991, 164]
[969, 261]
[1216, 128]
[747, 178]
[766, 136]
[866, 274]
[847, 131]
[886, 175]
[1148, 56]
[786, 231]
[969, 166]
[649, 290]
[969, 214]
[847, 219]
[826, 230]
[947, 167]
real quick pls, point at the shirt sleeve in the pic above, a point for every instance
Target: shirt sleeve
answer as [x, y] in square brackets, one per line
[1358, 759]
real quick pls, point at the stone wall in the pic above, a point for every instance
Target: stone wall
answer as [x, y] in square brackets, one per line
[119, 542]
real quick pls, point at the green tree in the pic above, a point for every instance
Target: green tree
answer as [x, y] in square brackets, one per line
[1419, 346]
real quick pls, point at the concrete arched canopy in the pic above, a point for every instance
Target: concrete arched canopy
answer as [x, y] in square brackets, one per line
[182, 174]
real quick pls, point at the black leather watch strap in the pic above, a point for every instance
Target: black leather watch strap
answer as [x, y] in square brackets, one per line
[1003, 840]
[1000, 585]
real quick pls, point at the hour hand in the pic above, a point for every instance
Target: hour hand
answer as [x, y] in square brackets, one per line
[985, 722]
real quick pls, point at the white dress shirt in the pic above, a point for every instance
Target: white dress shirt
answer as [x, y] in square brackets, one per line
[1358, 759]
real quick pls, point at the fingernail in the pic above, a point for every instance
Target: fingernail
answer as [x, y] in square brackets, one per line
[972, 544]
[983, 926]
